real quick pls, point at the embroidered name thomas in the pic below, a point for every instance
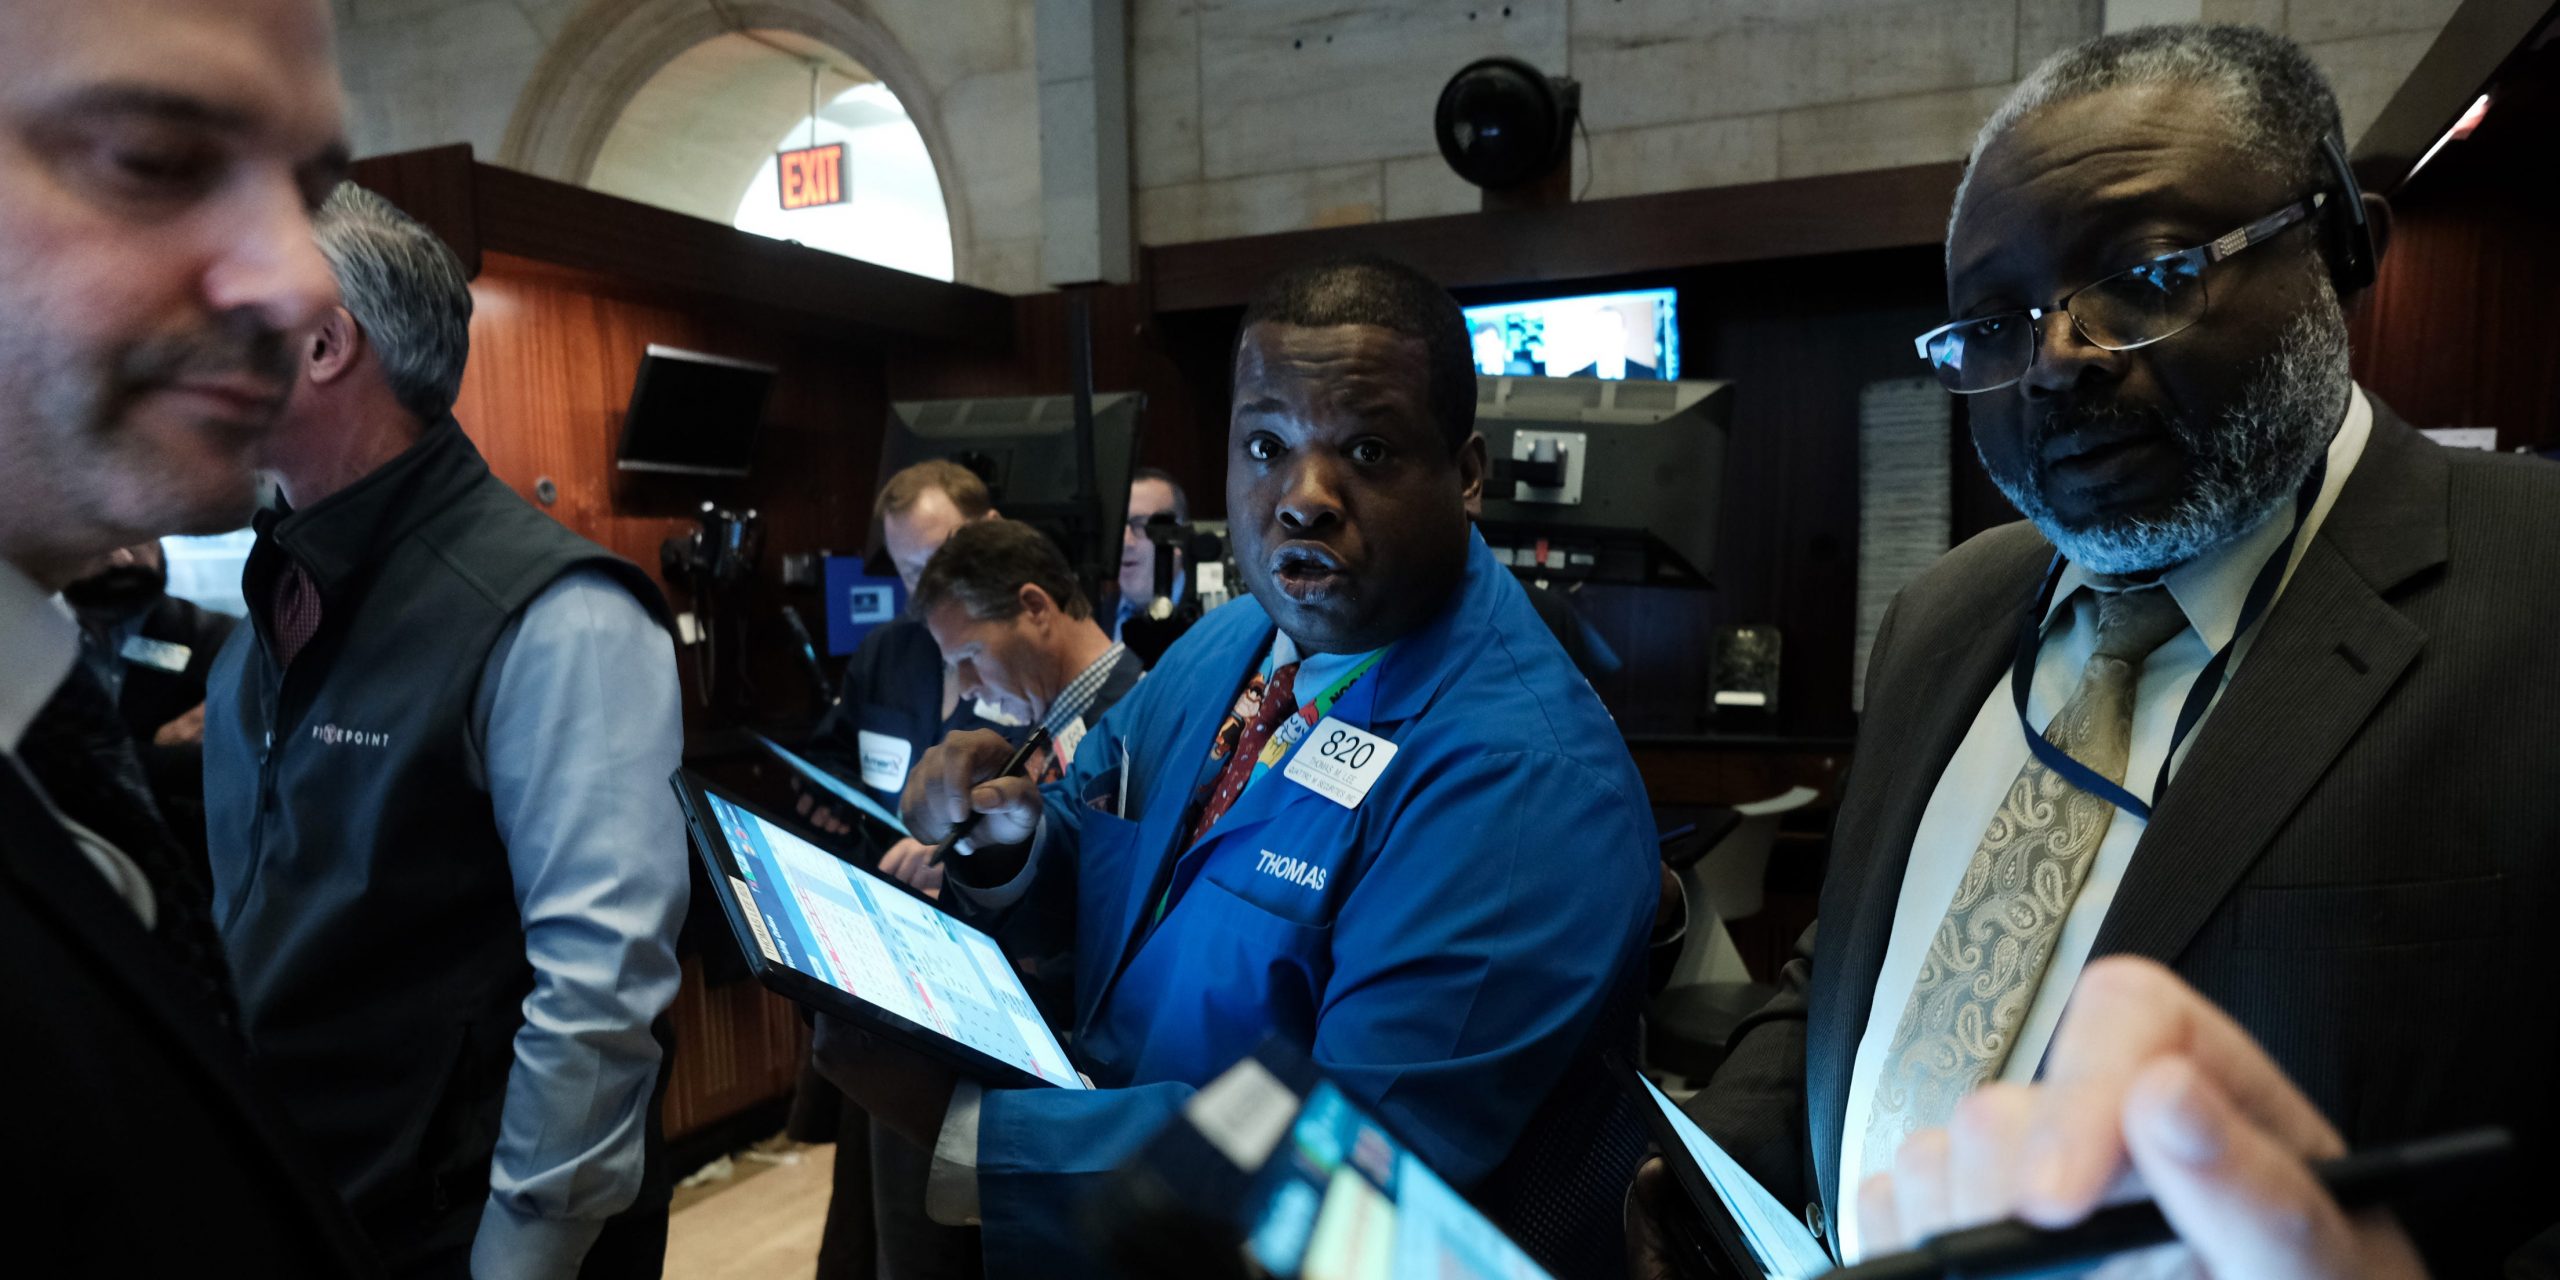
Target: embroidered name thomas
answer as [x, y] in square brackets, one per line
[1297, 871]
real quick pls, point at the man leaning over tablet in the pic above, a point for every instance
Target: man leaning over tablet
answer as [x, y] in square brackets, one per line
[1374, 810]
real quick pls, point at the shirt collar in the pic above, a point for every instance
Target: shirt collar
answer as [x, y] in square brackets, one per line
[42, 641]
[2212, 588]
[1077, 698]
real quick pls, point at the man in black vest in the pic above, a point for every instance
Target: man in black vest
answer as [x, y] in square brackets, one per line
[155, 163]
[446, 865]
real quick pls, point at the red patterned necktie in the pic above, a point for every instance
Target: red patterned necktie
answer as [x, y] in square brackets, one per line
[297, 612]
[1278, 705]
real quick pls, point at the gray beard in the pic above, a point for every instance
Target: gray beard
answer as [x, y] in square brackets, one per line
[2247, 463]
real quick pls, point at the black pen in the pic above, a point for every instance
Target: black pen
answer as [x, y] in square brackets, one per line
[1031, 745]
[2361, 1180]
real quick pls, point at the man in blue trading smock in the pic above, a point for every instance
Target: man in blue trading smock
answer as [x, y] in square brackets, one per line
[1373, 809]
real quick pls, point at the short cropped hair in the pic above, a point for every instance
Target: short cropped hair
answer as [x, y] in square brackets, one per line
[407, 291]
[904, 490]
[1181, 500]
[1392, 296]
[2272, 98]
[984, 566]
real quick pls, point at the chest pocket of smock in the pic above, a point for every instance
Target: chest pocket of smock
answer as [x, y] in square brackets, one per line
[1291, 861]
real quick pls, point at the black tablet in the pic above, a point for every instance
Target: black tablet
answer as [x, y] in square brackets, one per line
[1272, 1173]
[845, 942]
[1738, 1230]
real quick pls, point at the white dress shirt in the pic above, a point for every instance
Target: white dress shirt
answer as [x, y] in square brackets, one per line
[43, 643]
[2210, 590]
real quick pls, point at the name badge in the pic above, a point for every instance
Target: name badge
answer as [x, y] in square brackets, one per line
[157, 653]
[1339, 762]
[884, 760]
[1063, 746]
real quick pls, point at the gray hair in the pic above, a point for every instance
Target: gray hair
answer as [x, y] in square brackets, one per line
[406, 290]
[2273, 98]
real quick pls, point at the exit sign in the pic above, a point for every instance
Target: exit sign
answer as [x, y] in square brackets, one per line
[811, 176]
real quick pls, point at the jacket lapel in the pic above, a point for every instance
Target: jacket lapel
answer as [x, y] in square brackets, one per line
[1866, 875]
[2330, 651]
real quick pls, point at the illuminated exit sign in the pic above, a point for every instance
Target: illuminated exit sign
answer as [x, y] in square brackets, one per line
[811, 176]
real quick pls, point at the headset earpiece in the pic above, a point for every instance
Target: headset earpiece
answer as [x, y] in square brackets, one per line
[2347, 231]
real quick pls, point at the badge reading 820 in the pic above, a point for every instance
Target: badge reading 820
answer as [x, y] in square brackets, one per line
[1339, 762]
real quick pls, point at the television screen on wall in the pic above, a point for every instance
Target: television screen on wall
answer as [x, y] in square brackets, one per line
[1635, 334]
[693, 414]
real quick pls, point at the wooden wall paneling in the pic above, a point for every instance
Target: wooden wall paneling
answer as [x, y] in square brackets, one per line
[480, 208]
[2457, 331]
[737, 1044]
[554, 353]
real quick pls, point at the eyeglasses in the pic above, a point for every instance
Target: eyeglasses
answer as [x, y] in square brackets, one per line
[2133, 308]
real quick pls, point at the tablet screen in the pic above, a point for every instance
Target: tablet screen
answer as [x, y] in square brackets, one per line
[1349, 1203]
[811, 911]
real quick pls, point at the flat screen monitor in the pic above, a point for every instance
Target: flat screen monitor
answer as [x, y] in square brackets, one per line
[693, 414]
[1634, 334]
[1636, 472]
[1025, 449]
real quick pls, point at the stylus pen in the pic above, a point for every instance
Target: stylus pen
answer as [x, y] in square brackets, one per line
[2426, 1167]
[1031, 745]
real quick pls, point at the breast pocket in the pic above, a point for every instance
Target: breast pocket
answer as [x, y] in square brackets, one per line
[2357, 917]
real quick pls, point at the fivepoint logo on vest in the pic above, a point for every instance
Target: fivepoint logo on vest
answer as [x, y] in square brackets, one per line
[338, 737]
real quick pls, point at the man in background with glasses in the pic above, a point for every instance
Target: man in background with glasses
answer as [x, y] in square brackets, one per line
[2251, 703]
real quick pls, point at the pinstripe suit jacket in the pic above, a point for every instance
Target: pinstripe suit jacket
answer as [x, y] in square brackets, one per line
[2360, 858]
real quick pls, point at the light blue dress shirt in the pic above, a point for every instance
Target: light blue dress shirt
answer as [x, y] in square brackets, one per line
[578, 726]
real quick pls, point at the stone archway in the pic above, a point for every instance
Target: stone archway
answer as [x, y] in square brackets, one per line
[603, 56]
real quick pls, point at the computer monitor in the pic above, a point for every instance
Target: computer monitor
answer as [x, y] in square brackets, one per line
[1611, 481]
[1025, 449]
[693, 414]
[1631, 334]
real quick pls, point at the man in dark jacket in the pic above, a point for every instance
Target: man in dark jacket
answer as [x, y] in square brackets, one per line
[152, 651]
[446, 864]
[144, 314]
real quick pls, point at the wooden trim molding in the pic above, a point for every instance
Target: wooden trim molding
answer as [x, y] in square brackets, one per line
[481, 209]
[1795, 217]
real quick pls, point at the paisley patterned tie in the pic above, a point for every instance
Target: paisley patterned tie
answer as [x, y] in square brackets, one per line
[1989, 954]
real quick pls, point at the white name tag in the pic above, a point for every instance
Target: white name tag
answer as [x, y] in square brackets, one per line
[157, 653]
[1064, 744]
[1339, 762]
[884, 760]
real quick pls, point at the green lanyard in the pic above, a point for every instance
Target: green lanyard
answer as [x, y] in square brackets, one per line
[1291, 732]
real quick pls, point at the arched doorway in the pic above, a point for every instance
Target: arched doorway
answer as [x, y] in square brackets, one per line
[700, 137]
[602, 59]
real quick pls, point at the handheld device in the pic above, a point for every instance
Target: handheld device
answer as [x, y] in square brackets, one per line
[1738, 1230]
[1271, 1173]
[837, 939]
[1033, 744]
[2359, 1180]
[834, 786]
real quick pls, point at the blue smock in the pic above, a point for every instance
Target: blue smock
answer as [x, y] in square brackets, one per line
[1446, 949]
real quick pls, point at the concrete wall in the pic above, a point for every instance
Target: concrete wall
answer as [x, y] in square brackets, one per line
[1252, 116]
[1269, 115]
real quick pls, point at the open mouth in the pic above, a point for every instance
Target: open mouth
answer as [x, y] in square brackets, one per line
[1307, 571]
